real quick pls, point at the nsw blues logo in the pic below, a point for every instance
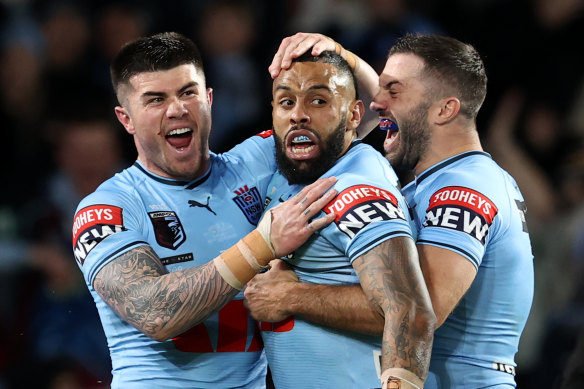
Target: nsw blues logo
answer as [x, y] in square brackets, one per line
[168, 229]
[250, 203]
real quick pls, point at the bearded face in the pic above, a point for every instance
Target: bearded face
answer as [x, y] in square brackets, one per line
[306, 172]
[404, 148]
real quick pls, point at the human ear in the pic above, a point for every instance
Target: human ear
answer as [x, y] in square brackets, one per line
[125, 119]
[447, 110]
[356, 112]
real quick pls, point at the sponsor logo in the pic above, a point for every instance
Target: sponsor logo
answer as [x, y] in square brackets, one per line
[193, 203]
[359, 205]
[250, 203]
[266, 134]
[93, 224]
[168, 229]
[461, 209]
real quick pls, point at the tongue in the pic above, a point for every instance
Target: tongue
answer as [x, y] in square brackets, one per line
[179, 141]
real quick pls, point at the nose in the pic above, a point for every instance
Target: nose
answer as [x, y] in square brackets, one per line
[176, 109]
[378, 104]
[299, 115]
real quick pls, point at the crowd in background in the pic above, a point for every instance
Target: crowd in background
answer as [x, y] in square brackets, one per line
[60, 140]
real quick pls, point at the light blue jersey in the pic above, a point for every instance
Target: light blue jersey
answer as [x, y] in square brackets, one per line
[469, 205]
[187, 224]
[369, 210]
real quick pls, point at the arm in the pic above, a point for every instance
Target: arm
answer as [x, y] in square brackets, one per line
[392, 280]
[277, 294]
[367, 78]
[448, 276]
[162, 305]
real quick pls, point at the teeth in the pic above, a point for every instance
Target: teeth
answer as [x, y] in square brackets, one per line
[300, 139]
[179, 131]
[302, 150]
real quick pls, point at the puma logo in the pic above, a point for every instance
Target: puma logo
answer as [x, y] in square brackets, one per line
[194, 203]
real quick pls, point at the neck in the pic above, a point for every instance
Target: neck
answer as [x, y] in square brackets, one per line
[446, 143]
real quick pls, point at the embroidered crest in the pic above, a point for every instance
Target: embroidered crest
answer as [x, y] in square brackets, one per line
[168, 229]
[250, 203]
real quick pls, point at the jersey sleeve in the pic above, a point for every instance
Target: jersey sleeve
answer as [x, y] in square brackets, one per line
[366, 214]
[457, 216]
[106, 225]
[257, 152]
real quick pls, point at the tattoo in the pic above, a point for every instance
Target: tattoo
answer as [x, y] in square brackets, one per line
[160, 304]
[392, 278]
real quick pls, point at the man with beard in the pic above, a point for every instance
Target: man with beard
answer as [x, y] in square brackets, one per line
[316, 112]
[166, 245]
[472, 240]
[472, 237]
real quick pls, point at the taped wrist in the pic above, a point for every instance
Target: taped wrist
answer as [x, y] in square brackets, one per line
[264, 228]
[398, 378]
[351, 58]
[238, 264]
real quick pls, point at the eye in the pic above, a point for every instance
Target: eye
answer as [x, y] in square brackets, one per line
[318, 101]
[189, 92]
[286, 103]
[155, 100]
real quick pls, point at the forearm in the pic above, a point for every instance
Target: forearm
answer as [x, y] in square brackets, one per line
[392, 279]
[160, 304]
[340, 307]
[367, 86]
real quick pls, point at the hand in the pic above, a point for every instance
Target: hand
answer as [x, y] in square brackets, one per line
[289, 224]
[296, 45]
[265, 293]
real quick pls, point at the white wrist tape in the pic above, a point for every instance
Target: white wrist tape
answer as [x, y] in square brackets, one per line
[398, 378]
[264, 227]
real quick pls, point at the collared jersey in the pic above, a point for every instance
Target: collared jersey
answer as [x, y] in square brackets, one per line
[469, 205]
[187, 224]
[369, 209]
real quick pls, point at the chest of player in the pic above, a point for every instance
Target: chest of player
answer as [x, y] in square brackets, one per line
[191, 227]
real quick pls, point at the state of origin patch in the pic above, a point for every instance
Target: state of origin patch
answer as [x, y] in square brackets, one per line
[359, 205]
[461, 209]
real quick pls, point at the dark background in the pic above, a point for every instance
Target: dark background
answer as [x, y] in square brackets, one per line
[60, 139]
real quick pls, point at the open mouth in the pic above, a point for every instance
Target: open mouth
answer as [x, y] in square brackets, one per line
[179, 138]
[392, 135]
[301, 144]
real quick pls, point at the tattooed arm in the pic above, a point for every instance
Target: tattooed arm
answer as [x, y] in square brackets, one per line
[392, 279]
[160, 304]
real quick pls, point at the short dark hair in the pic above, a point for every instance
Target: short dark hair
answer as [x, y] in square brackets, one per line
[456, 65]
[334, 59]
[162, 51]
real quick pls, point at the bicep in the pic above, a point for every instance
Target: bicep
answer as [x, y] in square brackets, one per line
[448, 276]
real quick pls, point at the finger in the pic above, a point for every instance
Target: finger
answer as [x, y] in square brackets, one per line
[316, 206]
[304, 45]
[276, 64]
[321, 222]
[314, 191]
[324, 43]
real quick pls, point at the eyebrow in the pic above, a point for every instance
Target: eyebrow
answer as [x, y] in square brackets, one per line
[159, 94]
[314, 87]
[389, 84]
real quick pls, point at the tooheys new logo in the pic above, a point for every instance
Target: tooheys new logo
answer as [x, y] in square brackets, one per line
[359, 205]
[461, 209]
[93, 224]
